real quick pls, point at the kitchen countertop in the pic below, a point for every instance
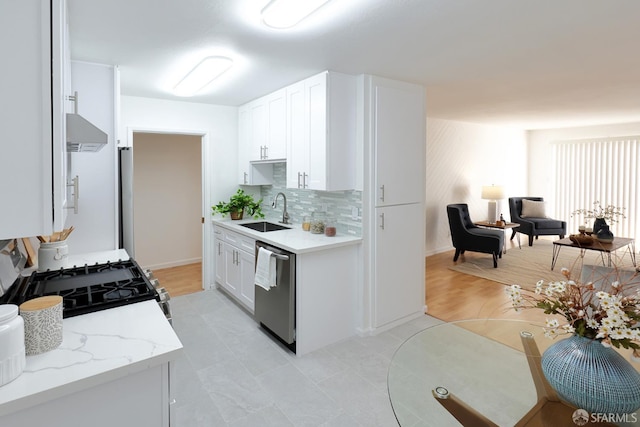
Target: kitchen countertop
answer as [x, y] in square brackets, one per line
[97, 347]
[294, 240]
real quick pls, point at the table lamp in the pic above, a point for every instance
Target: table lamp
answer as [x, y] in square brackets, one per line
[493, 193]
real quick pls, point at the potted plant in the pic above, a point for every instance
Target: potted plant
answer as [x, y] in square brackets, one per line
[237, 205]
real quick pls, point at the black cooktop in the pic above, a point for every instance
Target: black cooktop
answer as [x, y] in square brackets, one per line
[87, 288]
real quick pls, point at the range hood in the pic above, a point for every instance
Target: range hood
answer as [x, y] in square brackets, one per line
[82, 135]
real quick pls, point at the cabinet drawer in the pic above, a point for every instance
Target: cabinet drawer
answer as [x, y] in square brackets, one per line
[239, 241]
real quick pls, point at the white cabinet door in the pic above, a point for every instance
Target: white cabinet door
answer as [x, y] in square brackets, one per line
[28, 120]
[321, 134]
[315, 125]
[232, 271]
[276, 144]
[219, 258]
[297, 147]
[399, 262]
[399, 141]
[244, 144]
[247, 282]
[258, 111]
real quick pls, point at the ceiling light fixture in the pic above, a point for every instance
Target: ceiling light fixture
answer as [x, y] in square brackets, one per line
[209, 69]
[283, 14]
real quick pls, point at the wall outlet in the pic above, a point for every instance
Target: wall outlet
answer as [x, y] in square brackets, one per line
[355, 213]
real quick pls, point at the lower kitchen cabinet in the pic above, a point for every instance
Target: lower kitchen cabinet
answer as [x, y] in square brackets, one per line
[235, 265]
[139, 399]
[398, 263]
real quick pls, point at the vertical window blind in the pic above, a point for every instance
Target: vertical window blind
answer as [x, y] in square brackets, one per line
[604, 170]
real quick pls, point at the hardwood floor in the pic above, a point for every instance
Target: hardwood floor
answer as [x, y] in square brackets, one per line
[449, 295]
[456, 296]
[182, 280]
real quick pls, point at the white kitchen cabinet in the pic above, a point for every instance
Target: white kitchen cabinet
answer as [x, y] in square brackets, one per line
[394, 176]
[33, 124]
[321, 133]
[249, 173]
[262, 127]
[398, 138]
[235, 265]
[399, 270]
[276, 143]
[219, 255]
[139, 399]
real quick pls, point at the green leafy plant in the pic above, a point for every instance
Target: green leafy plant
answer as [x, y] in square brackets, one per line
[239, 203]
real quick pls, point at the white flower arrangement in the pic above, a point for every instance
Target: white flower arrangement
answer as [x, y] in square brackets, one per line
[610, 213]
[611, 317]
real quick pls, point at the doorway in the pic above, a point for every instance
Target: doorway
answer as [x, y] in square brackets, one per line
[168, 200]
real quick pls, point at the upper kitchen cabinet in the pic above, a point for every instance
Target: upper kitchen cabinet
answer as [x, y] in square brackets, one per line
[398, 134]
[263, 127]
[250, 173]
[275, 147]
[321, 133]
[32, 125]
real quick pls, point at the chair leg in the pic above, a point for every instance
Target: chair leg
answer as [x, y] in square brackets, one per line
[513, 233]
[531, 240]
[455, 257]
[562, 236]
[495, 260]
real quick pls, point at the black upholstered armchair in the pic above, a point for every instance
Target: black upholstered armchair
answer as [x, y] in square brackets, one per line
[535, 224]
[468, 237]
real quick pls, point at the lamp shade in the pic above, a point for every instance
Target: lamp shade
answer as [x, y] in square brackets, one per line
[492, 192]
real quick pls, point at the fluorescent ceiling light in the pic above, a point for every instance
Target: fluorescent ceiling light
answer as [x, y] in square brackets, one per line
[287, 13]
[205, 72]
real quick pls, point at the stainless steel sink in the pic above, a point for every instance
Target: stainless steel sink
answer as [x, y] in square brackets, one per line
[264, 226]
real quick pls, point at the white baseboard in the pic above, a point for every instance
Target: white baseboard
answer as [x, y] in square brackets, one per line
[170, 264]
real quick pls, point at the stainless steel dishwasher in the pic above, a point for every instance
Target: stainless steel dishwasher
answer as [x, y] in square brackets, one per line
[275, 309]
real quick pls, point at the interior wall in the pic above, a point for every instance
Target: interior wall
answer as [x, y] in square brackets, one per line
[218, 123]
[167, 188]
[461, 158]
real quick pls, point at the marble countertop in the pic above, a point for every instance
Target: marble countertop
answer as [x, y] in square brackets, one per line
[96, 348]
[294, 240]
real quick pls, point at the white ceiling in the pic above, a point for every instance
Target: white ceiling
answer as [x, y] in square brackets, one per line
[525, 63]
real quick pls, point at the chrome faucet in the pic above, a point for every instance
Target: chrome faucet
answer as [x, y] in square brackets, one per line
[285, 214]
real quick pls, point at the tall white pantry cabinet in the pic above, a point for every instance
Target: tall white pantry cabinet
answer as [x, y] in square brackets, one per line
[394, 173]
[34, 86]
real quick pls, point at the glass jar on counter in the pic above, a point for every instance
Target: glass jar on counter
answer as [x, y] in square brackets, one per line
[317, 222]
[306, 223]
[330, 227]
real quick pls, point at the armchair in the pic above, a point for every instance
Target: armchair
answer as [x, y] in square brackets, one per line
[534, 225]
[468, 237]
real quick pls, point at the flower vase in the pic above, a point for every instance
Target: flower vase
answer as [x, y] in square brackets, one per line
[604, 235]
[598, 224]
[591, 376]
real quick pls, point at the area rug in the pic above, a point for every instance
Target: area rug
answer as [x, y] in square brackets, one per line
[531, 263]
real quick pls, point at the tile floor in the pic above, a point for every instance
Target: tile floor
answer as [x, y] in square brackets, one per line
[233, 374]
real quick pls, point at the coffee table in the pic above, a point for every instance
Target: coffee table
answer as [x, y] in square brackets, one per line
[507, 226]
[603, 248]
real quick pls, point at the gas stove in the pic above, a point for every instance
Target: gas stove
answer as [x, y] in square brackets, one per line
[90, 288]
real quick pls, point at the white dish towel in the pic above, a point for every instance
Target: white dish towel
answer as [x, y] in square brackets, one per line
[265, 269]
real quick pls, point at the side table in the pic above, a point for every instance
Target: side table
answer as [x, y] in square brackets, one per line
[505, 227]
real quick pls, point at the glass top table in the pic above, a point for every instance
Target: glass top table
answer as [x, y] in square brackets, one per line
[481, 362]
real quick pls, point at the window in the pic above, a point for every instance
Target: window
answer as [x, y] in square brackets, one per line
[604, 170]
